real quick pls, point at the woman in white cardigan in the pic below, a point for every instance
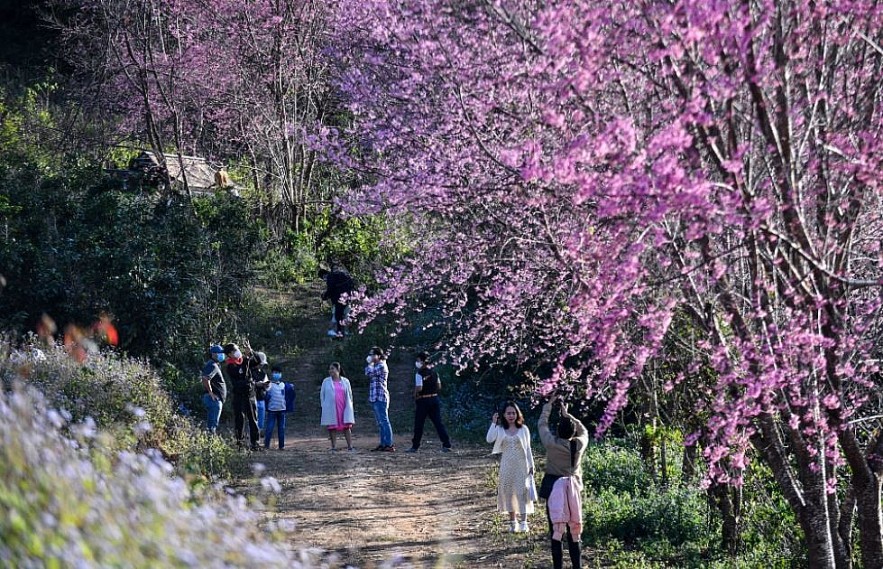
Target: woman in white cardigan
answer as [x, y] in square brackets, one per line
[516, 491]
[336, 398]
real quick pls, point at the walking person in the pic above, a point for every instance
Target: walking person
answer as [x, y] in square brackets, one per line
[215, 387]
[277, 408]
[244, 404]
[562, 484]
[516, 490]
[378, 395]
[336, 399]
[338, 283]
[427, 404]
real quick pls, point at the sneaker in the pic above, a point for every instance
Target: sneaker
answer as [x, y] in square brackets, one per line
[351, 449]
[446, 449]
[411, 450]
[332, 450]
[523, 527]
[513, 527]
[332, 333]
[377, 448]
[389, 449]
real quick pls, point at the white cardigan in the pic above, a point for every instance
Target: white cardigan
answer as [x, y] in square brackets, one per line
[329, 404]
[496, 433]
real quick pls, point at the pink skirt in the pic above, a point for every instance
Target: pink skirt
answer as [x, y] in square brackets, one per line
[340, 407]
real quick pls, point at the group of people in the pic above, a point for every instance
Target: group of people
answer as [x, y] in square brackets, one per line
[561, 486]
[260, 400]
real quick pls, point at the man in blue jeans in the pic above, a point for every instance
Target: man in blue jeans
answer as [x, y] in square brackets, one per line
[215, 387]
[426, 396]
[378, 395]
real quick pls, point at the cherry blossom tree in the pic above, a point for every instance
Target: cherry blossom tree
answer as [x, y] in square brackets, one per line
[236, 81]
[585, 171]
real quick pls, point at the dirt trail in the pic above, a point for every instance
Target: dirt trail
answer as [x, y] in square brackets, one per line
[429, 509]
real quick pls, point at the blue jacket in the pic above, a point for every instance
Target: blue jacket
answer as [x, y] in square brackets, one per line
[290, 396]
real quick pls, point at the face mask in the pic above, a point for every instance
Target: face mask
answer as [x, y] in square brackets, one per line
[370, 359]
[236, 355]
[418, 364]
[277, 376]
[220, 357]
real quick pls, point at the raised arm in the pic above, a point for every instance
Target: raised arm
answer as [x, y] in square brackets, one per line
[494, 430]
[546, 436]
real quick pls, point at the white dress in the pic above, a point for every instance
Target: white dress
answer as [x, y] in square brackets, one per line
[512, 491]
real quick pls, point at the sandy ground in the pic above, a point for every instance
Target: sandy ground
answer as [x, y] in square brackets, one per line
[377, 509]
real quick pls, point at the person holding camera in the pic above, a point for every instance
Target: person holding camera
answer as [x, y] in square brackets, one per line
[378, 395]
[516, 490]
[426, 401]
[562, 484]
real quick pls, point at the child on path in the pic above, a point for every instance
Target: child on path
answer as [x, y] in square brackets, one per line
[336, 399]
[277, 407]
[516, 490]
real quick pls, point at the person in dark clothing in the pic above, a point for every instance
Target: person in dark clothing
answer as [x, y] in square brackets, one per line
[338, 283]
[426, 397]
[244, 403]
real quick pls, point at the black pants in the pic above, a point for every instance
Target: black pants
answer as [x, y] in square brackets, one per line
[429, 407]
[339, 311]
[245, 409]
[573, 547]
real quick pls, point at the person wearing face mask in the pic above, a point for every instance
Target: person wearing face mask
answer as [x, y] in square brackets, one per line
[278, 404]
[215, 387]
[426, 397]
[378, 394]
[244, 403]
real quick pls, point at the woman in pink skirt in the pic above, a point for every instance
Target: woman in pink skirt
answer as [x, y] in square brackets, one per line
[336, 398]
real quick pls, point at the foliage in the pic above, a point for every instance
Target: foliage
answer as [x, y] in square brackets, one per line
[81, 247]
[122, 397]
[585, 171]
[639, 523]
[68, 500]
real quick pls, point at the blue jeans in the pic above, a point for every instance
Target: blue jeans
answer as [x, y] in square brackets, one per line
[275, 418]
[262, 411]
[381, 413]
[213, 411]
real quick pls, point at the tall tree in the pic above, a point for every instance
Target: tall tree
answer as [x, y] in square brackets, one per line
[585, 169]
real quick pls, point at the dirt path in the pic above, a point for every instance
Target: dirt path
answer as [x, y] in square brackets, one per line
[429, 509]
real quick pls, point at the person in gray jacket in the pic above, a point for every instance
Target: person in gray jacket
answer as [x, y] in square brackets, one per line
[564, 452]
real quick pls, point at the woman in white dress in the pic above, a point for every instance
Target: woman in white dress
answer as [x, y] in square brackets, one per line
[516, 490]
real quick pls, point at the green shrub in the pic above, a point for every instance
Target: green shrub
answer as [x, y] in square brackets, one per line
[123, 397]
[67, 500]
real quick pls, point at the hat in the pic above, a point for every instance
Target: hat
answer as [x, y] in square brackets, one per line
[216, 349]
[261, 357]
[230, 348]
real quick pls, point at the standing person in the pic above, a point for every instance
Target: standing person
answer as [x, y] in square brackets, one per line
[215, 387]
[338, 282]
[336, 398]
[427, 404]
[257, 366]
[516, 490]
[378, 394]
[277, 408]
[562, 484]
[244, 404]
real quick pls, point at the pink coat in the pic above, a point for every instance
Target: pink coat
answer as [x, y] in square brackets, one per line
[565, 507]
